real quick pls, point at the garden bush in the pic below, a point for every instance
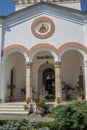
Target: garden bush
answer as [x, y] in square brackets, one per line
[22, 124]
[72, 116]
[45, 124]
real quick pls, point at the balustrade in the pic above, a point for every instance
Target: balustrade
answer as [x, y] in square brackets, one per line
[36, 1]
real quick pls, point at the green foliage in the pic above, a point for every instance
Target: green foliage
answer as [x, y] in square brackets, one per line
[41, 102]
[45, 124]
[3, 122]
[28, 100]
[59, 100]
[79, 89]
[67, 87]
[11, 87]
[22, 124]
[72, 116]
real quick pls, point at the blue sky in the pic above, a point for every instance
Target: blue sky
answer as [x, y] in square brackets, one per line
[6, 7]
[83, 5]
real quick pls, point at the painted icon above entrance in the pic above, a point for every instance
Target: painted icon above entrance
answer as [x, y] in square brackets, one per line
[43, 27]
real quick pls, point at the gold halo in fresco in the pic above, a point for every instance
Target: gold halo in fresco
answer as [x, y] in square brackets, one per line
[42, 27]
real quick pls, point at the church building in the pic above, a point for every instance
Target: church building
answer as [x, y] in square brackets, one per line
[43, 45]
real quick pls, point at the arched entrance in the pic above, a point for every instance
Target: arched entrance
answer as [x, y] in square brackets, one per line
[46, 81]
[42, 61]
[49, 81]
[71, 71]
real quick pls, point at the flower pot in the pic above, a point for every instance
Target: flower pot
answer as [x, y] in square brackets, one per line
[11, 98]
[79, 98]
[67, 97]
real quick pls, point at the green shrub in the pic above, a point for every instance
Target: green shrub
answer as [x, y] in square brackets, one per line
[45, 124]
[3, 122]
[41, 102]
[72, 116]
[22, 124]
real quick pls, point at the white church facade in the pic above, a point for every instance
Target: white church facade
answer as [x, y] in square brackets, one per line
[41, 46]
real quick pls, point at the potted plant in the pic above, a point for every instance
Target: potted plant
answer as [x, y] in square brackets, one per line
[66, 89]
[25, 106]
[59, 100]
[26, 102]
[11, 87]
[79, 91]
[41, 106]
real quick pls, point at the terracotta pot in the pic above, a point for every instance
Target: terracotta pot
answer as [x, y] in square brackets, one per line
[79, 98]
[11, 98]
[67, 97]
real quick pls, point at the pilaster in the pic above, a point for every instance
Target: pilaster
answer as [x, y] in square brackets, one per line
[1, 63]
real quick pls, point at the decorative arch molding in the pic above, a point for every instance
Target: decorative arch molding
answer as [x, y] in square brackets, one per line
[14, 48]
[42, 47]
[46, 47]
[30, 53]
[72, 46]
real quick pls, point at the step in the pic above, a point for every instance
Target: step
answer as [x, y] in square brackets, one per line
[15, 112]
[15, 108]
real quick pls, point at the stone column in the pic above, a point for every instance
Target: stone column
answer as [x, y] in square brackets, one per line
[29, 80]
[57, 80]
[85, 78]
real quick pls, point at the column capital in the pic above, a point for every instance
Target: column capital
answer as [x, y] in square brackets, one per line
[85, 63]
[57, 63]
[29, 64]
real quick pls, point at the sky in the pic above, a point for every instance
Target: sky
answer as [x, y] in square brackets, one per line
[83, 5]
[6, 7]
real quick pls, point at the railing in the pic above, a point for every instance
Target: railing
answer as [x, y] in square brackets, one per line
[36, 1]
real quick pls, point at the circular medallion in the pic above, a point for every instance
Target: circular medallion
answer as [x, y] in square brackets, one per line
[42, 27]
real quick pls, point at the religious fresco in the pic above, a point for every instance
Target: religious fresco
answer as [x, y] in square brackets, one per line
[43, 27]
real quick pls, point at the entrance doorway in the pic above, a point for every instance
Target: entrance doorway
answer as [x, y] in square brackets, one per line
[49, 82]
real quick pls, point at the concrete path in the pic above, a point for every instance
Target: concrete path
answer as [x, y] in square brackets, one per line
[28, 117]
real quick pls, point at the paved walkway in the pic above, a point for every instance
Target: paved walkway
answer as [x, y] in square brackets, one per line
[28, 117]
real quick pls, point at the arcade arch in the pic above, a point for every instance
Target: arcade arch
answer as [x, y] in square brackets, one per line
[15, 71]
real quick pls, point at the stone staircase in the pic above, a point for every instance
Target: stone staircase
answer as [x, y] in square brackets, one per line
[16, 108]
